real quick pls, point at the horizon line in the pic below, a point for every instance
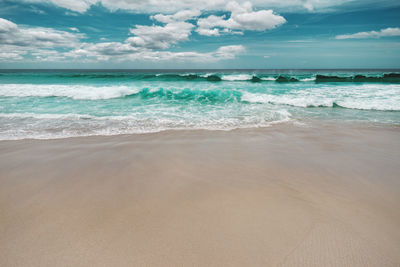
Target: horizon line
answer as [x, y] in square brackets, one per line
[194, 69]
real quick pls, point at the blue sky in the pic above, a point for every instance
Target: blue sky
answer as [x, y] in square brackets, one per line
[199, 34]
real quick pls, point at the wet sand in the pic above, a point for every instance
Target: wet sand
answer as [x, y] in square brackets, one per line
[287, 195]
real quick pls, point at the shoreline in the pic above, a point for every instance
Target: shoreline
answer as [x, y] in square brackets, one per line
[284, 195]
[300, 123]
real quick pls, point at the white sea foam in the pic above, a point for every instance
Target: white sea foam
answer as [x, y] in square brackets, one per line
[237, 77]
[207, 74]
[293, 100]
[266, 104]
[15, 126]
[363, 97]
[72, 91]
[27, 115]
[268, 79]
[308, 79]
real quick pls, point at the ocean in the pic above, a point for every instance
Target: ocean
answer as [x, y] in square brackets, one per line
[47, 104]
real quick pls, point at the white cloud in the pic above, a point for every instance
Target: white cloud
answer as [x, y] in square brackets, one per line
[74, 5]
[120, 52]
[7, 26]
[170, 6]
[182, 15]
[372, 34]
[11, 56]
[12, 53]
[222, 53]
[160, 37]
[229, 52]
[102, 51]
[11, 34]
[207, 26]
[19, 43]
[207, 32]
[47, 55]
[175, 30]
[242, 18]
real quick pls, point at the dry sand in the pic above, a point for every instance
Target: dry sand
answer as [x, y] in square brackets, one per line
[321, 195]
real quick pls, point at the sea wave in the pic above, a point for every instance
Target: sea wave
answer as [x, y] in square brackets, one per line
[15, 126]
[392, 77]
[67, 110]
[366, 97]
[268, 78]
[198, 95]
[88, 92]
[50, 116]
[71, 91]
[237, 77]
[385, 78]
[308, 79]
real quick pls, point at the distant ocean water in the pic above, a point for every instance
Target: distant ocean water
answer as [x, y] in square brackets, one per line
[54, 104]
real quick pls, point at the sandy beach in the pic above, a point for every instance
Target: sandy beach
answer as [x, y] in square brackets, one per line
[285, 195]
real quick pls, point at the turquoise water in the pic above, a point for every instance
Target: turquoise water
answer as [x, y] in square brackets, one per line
[56, 104]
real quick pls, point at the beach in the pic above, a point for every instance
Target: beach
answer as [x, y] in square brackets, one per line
[199, 133]
[316, 193]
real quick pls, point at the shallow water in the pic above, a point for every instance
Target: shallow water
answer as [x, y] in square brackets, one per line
[56, 104]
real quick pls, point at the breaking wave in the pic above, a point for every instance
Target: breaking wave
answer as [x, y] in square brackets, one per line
[368, 97]
[56, 105]
[218, 77]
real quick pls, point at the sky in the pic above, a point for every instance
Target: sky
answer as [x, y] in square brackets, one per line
[190, 34]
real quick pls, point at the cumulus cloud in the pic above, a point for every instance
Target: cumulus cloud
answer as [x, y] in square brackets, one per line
[19, 43]
[222, 53]
[74, 5]
[11, 34]
[182, 15]
[160, 37]
[16, 42]
[120, 52]
[229, 51]
[47, 55]
[242, 18]
[175, 30]
[10, 56]
[7, 26]
[371, 34]
[101, 51]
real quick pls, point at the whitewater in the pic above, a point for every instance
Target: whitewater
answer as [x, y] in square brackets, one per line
[56, 104]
